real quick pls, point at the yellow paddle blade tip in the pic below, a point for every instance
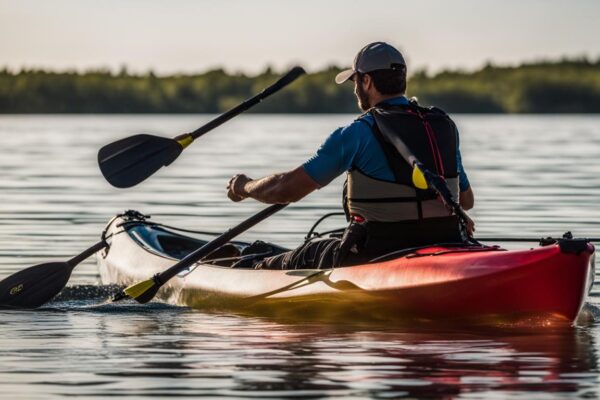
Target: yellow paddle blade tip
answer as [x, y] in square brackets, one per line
[419, 179]
[136, 290]
[186, 141]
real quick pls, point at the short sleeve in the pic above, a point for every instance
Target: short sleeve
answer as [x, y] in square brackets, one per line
[337, 154]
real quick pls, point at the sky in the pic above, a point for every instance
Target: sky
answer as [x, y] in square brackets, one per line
[187, 36]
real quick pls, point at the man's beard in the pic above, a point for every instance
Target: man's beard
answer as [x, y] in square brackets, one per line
[363, 99]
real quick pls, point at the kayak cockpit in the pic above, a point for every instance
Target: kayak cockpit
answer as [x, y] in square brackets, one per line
[237, 254]
[169, 244]
[160, 241]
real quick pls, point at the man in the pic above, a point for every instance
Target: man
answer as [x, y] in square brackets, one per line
[386, 211]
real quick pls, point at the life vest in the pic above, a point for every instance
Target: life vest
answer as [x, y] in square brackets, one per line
[432, 137]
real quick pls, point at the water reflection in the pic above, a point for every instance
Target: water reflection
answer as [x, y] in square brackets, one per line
[86, 348]
[419, 364]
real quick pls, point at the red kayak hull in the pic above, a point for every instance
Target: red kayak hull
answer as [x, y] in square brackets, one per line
[433, 283]
[541, 281]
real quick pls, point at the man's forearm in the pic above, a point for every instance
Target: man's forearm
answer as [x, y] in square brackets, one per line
[267, 190]
[282, 188]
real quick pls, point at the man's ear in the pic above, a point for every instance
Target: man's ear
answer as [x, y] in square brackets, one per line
[367, 81]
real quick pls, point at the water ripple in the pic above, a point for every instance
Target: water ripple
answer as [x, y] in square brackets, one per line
[532, 175]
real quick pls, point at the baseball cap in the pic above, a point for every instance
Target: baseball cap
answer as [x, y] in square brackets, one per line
[377, 55]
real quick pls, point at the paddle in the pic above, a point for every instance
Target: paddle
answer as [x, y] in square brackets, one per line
[129, 161]
[144, 291]
[34, 286]
[424, 179]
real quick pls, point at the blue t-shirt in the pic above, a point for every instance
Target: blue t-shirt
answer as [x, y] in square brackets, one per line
[355, 145]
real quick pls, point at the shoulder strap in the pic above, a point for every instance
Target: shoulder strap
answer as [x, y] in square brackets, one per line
[413, 106]
[395, 163]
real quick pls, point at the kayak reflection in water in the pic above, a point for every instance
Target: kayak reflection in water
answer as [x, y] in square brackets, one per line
[384, 209]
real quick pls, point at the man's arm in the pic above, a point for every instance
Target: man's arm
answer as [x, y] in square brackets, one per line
[287, 187]
[335, 156]
[467, 199]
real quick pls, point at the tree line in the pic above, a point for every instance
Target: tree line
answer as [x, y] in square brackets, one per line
[563, 86]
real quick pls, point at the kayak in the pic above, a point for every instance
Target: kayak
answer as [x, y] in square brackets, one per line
[443, 281]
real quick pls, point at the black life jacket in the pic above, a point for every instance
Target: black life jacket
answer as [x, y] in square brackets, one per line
[432, 137]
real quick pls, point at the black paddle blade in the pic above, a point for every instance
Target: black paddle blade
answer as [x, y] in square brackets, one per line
[34, 286]
[129, 161]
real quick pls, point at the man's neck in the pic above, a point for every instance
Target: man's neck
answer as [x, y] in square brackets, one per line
[378, 97]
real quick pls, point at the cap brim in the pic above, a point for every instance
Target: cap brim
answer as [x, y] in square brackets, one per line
[344, 76]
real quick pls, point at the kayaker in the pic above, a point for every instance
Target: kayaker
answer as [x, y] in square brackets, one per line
[385, 211]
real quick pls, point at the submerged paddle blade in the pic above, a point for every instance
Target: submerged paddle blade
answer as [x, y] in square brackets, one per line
[418, 178]
[142, 292]
[129, 161]
[34, 286]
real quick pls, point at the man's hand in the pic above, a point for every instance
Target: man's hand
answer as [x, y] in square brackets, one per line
[235, 187]
[469, 225]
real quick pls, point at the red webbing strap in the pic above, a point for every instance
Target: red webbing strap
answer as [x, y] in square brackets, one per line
[435, 151]
[437, 156]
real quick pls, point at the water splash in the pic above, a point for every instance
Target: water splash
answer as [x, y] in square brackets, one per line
[97, 299]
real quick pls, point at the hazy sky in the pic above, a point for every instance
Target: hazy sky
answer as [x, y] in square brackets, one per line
[194, 35]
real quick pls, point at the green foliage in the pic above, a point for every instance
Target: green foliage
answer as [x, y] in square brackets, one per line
[569, 86]
[565, 86]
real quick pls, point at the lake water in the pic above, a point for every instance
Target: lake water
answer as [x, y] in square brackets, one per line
[532, 176]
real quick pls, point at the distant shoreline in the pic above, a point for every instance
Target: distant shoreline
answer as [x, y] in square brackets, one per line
[566, 86]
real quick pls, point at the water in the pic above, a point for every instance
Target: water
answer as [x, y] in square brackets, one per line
[532, 175]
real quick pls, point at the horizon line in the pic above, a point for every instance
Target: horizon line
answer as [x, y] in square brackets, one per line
[125, 69]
